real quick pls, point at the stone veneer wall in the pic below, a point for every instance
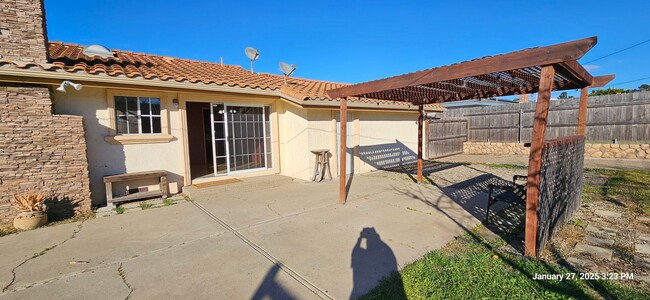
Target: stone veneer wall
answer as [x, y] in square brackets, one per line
[41, 152]
[636, 151]
[22, 31]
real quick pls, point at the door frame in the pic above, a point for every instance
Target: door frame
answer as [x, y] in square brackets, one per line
[180, 130]
[228, 138]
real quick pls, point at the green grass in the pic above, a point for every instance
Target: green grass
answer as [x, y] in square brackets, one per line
[628, 186]
[471, 268]
[119, 210]
[145, 205]
[168, 202]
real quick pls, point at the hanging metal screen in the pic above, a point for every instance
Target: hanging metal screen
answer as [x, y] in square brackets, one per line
[560, 185]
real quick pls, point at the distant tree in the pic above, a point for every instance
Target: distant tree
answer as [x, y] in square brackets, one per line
[564, 95]
[609, 91]
[644, 87]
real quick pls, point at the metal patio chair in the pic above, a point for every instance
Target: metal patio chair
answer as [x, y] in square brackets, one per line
[512, 194]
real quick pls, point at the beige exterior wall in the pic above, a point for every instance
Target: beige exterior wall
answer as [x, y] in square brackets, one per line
[382, 136]
[108, 156]
[105, 158]
[387, 139]
[294, 153]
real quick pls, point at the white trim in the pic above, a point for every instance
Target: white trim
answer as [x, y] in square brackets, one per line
[214, 140]
[266, 163]
[227, 137]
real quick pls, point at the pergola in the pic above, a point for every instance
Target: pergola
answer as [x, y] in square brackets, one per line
[535, 70]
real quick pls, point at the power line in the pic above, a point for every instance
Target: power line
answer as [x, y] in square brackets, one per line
[619, 51]
[626, 82]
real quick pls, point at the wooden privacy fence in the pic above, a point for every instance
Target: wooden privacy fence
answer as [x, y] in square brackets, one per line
[625, 117]
[445, 137]
[560, 185]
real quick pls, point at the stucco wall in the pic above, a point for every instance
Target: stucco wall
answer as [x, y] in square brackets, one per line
[107, 159]
[382, 139]
[387, 139]
[294, 141]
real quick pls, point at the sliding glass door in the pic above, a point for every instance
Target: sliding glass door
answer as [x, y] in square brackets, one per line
[241, 136]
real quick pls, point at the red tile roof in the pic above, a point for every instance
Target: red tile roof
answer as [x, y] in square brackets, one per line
[70, 58]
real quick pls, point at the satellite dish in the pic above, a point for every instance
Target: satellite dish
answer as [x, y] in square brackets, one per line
[253, 54]
[287, 70]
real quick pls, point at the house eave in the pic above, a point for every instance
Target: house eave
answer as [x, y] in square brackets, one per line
[90, 80]
[332, 104]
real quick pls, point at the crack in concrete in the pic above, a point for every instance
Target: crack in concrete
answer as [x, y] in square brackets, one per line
[39, 254]
[122, 274]
[106, 265]
[290, 272]
[268, 205]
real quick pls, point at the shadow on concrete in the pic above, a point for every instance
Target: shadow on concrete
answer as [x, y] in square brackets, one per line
[397, 157]
[372, 260]
[472, 196]
[271, 289]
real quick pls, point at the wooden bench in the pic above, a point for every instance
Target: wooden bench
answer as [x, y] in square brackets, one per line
[108, 180]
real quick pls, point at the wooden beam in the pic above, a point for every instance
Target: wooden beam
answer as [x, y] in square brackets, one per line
[540, 56]
[535, 158]
[420, 122]
[582, 111]
[600, 81]
[343, 150]
[576, 70]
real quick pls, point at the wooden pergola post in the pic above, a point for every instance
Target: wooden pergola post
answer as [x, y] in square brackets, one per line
[420, 121]
[343, 150]
[535, 158]
[582, 112]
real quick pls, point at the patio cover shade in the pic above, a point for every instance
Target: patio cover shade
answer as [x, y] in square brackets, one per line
[535, 70]
[501, 75]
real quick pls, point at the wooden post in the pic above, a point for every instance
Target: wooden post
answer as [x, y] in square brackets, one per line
[582, 112]
[420, 121]
[343, 150]
[535, 159]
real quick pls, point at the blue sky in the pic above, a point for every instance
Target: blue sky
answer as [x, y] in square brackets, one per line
[356, 41]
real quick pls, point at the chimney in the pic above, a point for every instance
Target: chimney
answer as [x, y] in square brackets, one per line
[23, 36]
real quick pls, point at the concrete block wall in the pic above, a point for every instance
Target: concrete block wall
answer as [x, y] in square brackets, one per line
[41, 152]
[594, 150]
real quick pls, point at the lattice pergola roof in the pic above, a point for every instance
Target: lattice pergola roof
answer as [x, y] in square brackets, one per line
[501, 75]
[536, 70]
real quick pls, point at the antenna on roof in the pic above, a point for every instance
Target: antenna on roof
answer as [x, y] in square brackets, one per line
[287, 70]
[253, 54]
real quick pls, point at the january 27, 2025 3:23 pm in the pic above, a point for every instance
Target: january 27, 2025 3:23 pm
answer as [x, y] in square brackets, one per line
[585, 276]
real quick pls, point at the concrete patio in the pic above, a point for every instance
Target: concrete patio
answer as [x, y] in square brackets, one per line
[265, 236]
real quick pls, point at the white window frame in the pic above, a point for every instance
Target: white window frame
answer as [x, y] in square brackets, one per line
[137, 137]
[138, 115]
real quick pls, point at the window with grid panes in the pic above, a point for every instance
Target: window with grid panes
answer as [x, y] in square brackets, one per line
[137, 115]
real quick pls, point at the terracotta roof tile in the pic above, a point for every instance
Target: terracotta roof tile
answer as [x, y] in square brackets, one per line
[70, 58]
